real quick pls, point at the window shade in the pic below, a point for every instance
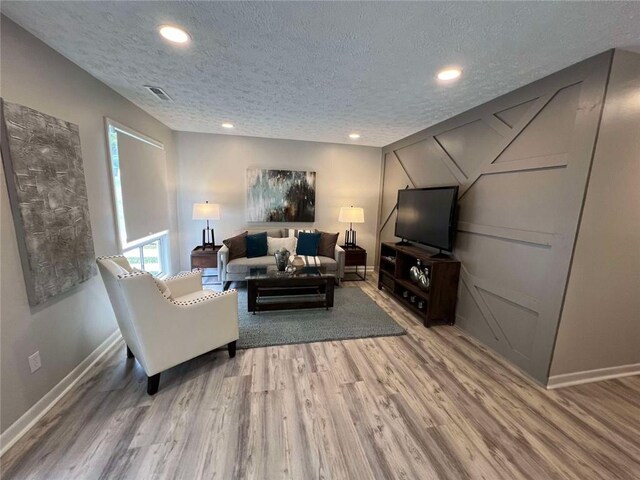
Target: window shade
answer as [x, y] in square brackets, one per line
[143, 177]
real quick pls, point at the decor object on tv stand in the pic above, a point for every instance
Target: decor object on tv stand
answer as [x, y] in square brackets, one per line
[415, 271]
[207, 211]
[420, 275]
[351, 215]
[438, 302]
[423, 280]
[44, 172]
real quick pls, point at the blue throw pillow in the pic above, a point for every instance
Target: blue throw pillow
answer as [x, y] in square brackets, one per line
[257, 245]
[308, 244]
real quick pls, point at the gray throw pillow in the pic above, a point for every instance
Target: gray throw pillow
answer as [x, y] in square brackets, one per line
[237, 246]
[327, 245]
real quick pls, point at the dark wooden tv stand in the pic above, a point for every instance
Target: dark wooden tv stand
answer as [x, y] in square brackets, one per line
[439, 302]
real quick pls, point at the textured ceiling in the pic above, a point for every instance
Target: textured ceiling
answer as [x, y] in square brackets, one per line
[318, 71]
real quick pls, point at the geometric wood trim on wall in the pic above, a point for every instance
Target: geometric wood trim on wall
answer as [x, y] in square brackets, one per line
[521, 162]
[390, 216]
[496, 322]
[413, 184]
[513, 133]
[449, 162]
[497, 124]
[534, 163]
[526, 236]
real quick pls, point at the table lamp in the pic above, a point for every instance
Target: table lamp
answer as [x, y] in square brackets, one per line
[351, 215]
[206, 211]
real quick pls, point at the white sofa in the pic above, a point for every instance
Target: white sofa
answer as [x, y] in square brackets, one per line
[237, 269]
[164, 329]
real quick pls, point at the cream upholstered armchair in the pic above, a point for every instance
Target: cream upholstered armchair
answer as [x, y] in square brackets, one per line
[165, 323]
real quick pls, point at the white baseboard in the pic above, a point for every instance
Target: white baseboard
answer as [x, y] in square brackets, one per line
[588, 376]
[21, 426]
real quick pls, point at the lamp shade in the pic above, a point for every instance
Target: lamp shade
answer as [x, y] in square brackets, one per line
[206, 211]
[351, 215]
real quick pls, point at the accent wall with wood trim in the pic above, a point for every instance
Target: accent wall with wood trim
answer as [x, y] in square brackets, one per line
[599, 331]
[522, 162]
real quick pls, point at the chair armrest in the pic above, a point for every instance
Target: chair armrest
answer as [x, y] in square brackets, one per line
[184, 283]
[339, 256]
[223, 258]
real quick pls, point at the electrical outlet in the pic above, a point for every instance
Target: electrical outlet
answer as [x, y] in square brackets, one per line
[34, 361]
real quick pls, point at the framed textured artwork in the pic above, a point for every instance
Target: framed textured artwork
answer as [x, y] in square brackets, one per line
[281, 195]
[48, 197]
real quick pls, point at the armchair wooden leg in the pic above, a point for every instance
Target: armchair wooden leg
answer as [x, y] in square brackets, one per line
[129, 353]
[226, 285]
[232, 349]
[153, 382]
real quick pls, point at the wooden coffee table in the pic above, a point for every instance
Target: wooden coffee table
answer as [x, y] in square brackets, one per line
[269, 289]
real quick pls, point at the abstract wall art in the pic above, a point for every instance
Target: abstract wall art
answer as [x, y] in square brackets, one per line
[48, 197]
[281, 195]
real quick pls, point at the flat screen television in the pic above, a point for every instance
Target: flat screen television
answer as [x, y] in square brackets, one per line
[428, 216]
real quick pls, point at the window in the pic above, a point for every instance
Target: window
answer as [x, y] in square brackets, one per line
[149, 256]
[140, 199]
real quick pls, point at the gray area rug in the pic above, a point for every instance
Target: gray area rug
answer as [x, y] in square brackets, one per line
[354, 315]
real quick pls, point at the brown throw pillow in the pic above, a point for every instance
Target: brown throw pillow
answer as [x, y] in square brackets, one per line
[237, 246]
[327, 245]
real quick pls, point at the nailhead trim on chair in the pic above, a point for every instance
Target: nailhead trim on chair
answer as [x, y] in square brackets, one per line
[138, 272]
[109, 257]
[209, 296]
[184, 274]
[133, 274]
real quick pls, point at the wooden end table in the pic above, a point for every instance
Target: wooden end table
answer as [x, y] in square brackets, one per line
[207, 258]
[355, 256]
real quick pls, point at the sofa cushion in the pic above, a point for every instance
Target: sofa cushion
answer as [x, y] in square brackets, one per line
[329, 263]
[327, 245]
[325, 262]
[295, 232]
[308, 244]
[242, 265]
[257, 245]
[237, 246]
[274, 232]
[275, 244]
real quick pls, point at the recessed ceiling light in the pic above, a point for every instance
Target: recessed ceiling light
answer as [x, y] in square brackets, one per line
[449, 74]
[354, 136]
[227, 125]
[174, 34]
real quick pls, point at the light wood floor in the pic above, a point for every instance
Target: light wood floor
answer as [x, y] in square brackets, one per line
[428, 405]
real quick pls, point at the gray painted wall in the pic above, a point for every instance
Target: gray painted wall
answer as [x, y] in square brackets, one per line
[213, 167]
[600, 324]
[65, 330]
[522, 162]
